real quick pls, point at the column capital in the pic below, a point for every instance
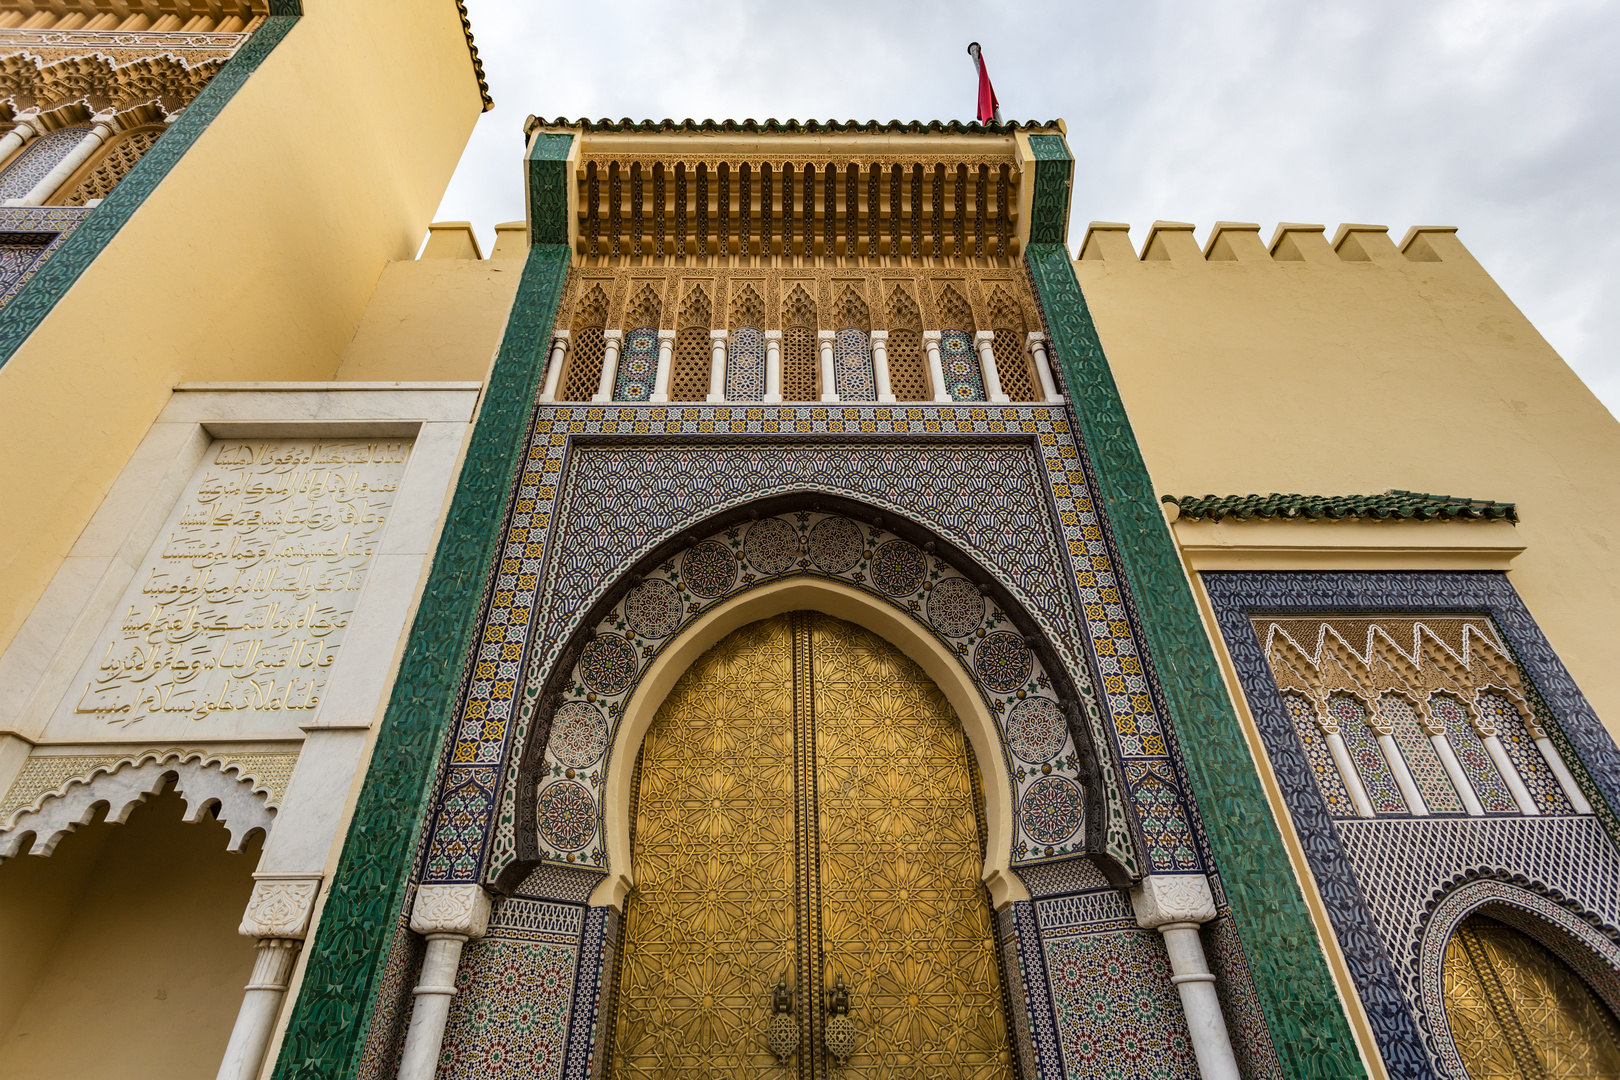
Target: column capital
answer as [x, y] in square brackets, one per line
[880, 335]
[612, 335]
[451, 909]
[1164, 899]
[773, 335]
[666, 335]
[1035, 337]
[983, 336]
[719, 335]
[826, 335]
[932, 335]
[560, 335]
[280, 906]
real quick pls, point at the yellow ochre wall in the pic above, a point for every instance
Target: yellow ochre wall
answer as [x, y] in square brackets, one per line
[121, 951]
[253, 259]
[1324, 375]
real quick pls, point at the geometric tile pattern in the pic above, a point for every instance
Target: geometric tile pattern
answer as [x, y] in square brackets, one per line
[1428, 773]
[638, 364]
[852, 366]
[592, 986]
[28, 236]
[41, 156]
[1025, 961]
[580, 520]
[963, 379]
[1378, 877]
[745, 365]
[509, 1017]
[737, 562]
[1240, 1005]
[1118, 1015]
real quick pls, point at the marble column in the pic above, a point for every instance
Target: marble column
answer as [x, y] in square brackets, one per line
[612, 340]
[449, 916]
[829, 373]
[101, 129]
[1403, 775]
[936, 367]
[773, 367]
[1176, 905]
[717, 367]
[559, 348]
[1454, 770]
[880, 365]
[278, 915]
[1347, 768]
[1566, 781]
[1504, 765]
[666, 354]
[1043, 367]
[28, 126]
[987, 363]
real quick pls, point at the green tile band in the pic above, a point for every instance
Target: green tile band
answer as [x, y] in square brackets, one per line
[330, 1018]
[1302, 1007]
[547, 169]
[1049, 203]
[20, 317]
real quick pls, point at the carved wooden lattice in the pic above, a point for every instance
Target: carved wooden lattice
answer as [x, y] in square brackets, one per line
[689, 370]
[1012, 358]
[587, 347]
[908, 368]
[113, 166]
[799, 366]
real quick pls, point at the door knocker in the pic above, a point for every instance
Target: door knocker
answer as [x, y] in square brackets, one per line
[839, 1033]
[782, 1036]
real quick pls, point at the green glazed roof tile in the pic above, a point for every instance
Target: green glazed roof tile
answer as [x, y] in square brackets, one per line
[955, 127]
[1392, 505]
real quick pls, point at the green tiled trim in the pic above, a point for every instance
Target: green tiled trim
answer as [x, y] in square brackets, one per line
[892, 127]
[28, 309]
[1054, 172]
[1393, 505]
[346, 959]
[1307, 1021]
[548, 189]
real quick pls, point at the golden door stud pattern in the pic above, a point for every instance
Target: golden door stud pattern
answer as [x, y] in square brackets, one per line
[710, 923]
[874, 879]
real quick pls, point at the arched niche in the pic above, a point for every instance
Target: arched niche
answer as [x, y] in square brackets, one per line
[897, 620]
[1575, 939]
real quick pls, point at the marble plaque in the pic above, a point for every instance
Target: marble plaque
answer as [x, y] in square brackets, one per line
[236, 616]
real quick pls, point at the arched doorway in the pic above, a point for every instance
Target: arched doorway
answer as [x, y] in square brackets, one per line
[805, 810]
[1517, 1011]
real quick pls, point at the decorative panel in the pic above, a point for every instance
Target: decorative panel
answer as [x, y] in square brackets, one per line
[745, 365]
[852, 366]
[1421, 759]
[964, 380]
[638, 365]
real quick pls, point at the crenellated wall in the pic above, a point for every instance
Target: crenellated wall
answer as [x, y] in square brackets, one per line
[1349, 364]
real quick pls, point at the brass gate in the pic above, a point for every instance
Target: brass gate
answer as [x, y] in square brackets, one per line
[805, 813]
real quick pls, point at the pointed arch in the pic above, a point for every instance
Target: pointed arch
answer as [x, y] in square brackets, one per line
[908, 371]
[1013, 362]
[853, 314]
[645, 309]
[800, 381]
[587, 345]
[689, 371]
[747, 308]
[955, 313]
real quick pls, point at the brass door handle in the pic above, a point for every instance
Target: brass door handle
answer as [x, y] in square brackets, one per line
[838, 1030]
[782, 1034]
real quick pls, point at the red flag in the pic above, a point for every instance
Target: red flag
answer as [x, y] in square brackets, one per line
[989, 107]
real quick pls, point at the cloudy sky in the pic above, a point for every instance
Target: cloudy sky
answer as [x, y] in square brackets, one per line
[1501, 117]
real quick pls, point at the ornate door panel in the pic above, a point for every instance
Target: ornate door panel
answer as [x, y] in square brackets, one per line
[805, 806]
[1516, 1011]
[711, 919]
[904, 920]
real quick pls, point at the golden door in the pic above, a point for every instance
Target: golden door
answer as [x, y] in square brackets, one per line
[1516, 1011]
[805, 811]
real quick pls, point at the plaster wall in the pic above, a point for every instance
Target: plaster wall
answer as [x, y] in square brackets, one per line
[1327, 375]
[253, 260]
[122, 956]
[433, 320]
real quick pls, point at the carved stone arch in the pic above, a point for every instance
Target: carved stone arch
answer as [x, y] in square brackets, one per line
[904, 314]
[645, 309]
[697, 310]
[202, 784]
[747, 307]
[955, 313]
[852, 312]
[1006, 313]
[592, 310]
[799, 309]
[799, 589]
[1576, 936]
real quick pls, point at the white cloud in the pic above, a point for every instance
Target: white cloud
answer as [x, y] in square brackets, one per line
[1493, 115]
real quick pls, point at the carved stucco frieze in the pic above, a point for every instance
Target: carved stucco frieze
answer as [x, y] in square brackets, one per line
[280, 906]
[1162, 899]
[451, 909]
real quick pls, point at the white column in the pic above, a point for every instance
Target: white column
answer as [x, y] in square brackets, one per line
[987, 363]
[936, 367]
[1459, 779]
[1347, 771]
[773, 367]
[27, 127]
[278, 915]
[99, 131]
[666, 352]
[1043, 367]
[1504, 765]
[449, 916]
[1403, 776]
[1555, 762]
[559, 346]
[717, 367]
[829, 377]
[613, 339]
[880, 364]
[1175, 905]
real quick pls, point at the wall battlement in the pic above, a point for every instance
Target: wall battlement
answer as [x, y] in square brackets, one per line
[1291, 243]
